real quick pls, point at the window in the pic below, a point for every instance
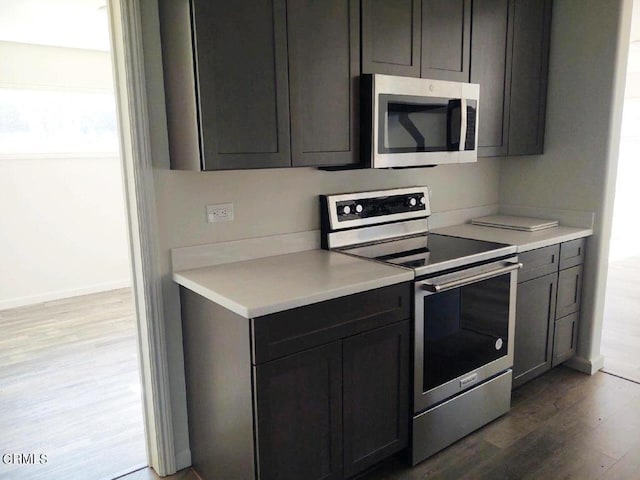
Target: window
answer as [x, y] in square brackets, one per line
[57, 123]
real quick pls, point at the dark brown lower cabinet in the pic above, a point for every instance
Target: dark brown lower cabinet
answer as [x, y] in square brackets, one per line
[299, 415]
[547, 308]
[535, 315]
[316, 392]
[375, 396]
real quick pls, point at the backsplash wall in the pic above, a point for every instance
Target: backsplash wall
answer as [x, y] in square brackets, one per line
[277, 201]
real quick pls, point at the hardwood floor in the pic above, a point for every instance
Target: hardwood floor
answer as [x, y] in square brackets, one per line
[563, 425]
[621, 330]
[69, 389]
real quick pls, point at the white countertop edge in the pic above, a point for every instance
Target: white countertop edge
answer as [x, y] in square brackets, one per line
[253, 312]
[567, 237]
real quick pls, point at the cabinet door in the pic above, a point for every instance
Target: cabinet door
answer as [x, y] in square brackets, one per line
[535, 316]
[324, 68]
[376, 396]
[531, 34]
[491, 68]
[565, 338]
[391, 37]
[243, 93]
[569, 291]
[299, 415]
[446, 39]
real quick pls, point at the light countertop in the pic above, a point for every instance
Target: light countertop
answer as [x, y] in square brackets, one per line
[524, 241]
[253, 288]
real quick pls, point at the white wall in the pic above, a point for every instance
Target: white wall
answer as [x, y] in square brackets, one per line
[63, 229]
[626, 230]
[589, 44]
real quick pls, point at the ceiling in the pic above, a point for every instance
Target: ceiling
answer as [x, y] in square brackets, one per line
[61, 23]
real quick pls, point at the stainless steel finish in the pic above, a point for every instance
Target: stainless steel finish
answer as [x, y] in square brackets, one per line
[376, 233]
[393, 85]
[463, 124]
[443, 424]
[469, 259]
[470, 380]
[423, 400]
[333, 200]
[466, 277]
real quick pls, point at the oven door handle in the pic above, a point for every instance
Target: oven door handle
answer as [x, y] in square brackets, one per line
[432, 285]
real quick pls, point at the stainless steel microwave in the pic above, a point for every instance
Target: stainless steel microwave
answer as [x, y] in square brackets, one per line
[416, 122]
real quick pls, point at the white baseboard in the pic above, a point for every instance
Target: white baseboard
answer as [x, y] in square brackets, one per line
[586, 366]
[183, 459]
[60, 294]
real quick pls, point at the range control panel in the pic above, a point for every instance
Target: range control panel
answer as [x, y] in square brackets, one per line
[379, 206]
[350, 210]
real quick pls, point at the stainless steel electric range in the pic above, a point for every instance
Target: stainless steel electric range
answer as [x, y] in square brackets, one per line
[464, 308]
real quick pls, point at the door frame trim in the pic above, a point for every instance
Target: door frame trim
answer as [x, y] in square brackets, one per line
[135, 149]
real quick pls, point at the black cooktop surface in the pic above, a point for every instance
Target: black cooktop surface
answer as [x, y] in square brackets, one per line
[431, 252]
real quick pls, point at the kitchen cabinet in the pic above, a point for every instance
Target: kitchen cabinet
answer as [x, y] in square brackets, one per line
[547, 308]
[529, 72]
[535, 313]
[491, 53]
[391, 35]
[299, 411]
[446, 39]
[324, 71]
[323, 389]
[417, 38]
[227, 92]
[260, 83]
[376, 385]
[510, 60]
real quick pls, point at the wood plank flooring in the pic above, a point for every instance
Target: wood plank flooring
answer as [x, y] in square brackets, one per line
[621, 329]
[70, 389]
[562, 425]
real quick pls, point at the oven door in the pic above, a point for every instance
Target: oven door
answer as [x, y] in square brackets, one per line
[464, 330]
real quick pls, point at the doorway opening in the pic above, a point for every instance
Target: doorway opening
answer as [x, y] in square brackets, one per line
[70, 403]
[621, 326]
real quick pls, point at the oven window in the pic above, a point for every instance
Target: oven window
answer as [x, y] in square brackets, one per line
[418, 124]
[465, 328]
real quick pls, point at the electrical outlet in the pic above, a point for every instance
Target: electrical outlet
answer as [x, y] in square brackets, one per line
[221, 212]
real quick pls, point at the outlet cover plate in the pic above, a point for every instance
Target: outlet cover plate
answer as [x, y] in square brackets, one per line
[220, 212]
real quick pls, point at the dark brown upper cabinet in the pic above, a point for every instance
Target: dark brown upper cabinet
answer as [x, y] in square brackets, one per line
[529, 71]
[491, 28]
[446, 39]
[510, 60]
[391, 33]
[226, 85]
[324, 71]
[261, 83]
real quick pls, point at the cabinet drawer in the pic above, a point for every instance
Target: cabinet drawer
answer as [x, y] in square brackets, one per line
[572, 253]
[569, 291]
[291, 331]
[537, 263]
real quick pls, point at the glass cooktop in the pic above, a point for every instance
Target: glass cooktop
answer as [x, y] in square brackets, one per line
[431, 252]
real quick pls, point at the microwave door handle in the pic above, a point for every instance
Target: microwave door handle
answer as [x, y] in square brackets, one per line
[434, 286]
[463, 123]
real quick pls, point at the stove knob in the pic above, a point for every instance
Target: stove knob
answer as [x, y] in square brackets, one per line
[346, 210]
[423, 200]
[412, 202]
[359, 208]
